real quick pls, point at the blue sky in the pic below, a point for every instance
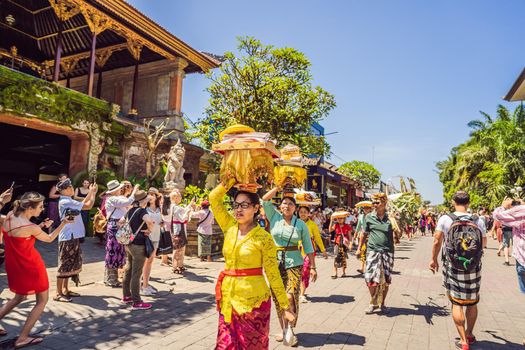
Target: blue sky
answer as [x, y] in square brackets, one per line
[407, 75]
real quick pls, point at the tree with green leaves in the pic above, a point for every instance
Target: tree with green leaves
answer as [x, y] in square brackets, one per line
[360, 171]
[269, 89]
[490, 162]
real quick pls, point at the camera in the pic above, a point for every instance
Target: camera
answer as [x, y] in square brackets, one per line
[71, 213]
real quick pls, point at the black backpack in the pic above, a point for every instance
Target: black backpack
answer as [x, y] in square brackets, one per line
[464, 243]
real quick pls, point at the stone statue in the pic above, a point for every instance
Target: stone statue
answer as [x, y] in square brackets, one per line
[174, 178]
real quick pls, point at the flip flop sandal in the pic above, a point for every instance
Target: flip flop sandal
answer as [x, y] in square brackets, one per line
[3, 332]
[62, 299]
[72, 294]
[334, 277]
[34, 341]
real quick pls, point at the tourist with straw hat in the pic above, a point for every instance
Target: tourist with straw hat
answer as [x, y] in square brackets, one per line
[117, 205]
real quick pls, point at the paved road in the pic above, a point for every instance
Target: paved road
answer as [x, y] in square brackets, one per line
[184, 316]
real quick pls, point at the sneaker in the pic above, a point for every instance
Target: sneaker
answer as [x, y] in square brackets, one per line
[461, 346]
[471, 339]
[153, 289]
[141, 306]
[127, 300]
[370, 309]
[303, 299]
[146, 292]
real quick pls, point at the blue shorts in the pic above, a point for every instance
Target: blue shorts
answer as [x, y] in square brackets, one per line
[507, 238]
[520, 269]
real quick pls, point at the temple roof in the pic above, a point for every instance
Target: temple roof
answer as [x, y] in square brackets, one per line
[125, 33]
[517, 91]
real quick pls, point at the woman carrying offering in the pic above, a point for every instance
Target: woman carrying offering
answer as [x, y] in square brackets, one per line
[242, 295]
[343, 244]
[287, 231]
[317, 242]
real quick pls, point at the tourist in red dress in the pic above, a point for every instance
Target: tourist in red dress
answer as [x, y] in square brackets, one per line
[26, 272]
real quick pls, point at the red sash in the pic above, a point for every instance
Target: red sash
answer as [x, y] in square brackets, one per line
[258, 271]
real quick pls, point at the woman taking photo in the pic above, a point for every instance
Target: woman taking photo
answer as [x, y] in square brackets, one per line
[26, 272]
[154, 212]
[179, 218]
[141, 225]
[287, 231]
[117, 205]
[80, 194]
[243, 297]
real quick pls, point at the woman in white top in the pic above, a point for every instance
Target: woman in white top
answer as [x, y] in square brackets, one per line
[117, 205]
[154, 214]
[204, 230]
[179, 218]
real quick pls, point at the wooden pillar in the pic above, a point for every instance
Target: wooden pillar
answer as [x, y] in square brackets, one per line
[176, 78]
[58, 52]
[91, 73]
[79, 154]
[99, 82]
[134, 90]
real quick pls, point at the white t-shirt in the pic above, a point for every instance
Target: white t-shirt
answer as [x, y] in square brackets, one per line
[446, 221]
[75, 229]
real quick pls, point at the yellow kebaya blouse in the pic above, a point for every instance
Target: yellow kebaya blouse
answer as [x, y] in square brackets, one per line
[317, 240]
[255, 250]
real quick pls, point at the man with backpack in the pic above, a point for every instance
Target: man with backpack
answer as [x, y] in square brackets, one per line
[464, 237]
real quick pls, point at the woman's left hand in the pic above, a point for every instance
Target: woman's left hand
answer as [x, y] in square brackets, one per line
[313, 274]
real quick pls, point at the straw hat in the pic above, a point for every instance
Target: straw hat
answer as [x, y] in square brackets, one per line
[114, 186]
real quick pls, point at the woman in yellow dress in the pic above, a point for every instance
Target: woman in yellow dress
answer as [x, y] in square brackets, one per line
[242, 294]
[317, 242]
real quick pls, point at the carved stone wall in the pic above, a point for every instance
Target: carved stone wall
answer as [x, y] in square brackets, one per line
[134, 161]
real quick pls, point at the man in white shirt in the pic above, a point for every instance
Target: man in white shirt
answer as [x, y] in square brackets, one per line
[69, 252]
[462, 286]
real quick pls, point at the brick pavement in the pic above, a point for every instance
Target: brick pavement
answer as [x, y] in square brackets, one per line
[184, 316]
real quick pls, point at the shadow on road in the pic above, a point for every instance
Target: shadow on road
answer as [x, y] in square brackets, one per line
[198, 278]
[121, 325]
[315, 340]
[427, 310]
[333, 299]
[485, 344]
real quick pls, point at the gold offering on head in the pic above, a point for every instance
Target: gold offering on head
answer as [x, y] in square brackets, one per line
[306, 198]
[290, 171]
[248, 156]
[340, 215]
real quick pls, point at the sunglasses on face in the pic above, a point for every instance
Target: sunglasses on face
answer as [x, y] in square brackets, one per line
[376, 202]
[242, 205]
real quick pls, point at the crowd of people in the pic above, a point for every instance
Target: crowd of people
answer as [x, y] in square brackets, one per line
[145, 216]
[270, 250]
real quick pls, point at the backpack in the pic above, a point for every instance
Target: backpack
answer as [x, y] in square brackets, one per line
[124, 234]
[464, 243]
